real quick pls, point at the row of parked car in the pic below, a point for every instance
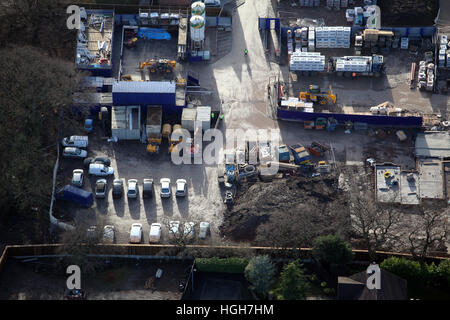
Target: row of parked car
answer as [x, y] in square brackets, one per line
[136, 235]
[132, 186]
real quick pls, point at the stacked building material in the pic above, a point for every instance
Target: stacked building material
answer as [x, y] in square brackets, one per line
[333, 37]
[309, 3]
[290, 44]
[430, 77]
[404, 43]
[422, 75]
[311, 39]
[443, 52]
[307, 61]
[354, 64]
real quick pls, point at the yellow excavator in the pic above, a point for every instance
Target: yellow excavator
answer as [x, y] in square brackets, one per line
[159, 65]
[314, 95]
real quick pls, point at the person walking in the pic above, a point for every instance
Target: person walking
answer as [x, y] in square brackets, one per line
[245, 51]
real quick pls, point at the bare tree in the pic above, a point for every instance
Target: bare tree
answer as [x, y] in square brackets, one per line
[428, 232]
[78, 245]
[375, 223]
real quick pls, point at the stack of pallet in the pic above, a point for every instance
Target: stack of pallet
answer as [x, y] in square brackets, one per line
[309, 3]
[333, 37]
[311, 39]
[307, 61]
[443, 51]
[356, 64]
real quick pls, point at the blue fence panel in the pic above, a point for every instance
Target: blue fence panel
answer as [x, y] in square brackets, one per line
[374, 120]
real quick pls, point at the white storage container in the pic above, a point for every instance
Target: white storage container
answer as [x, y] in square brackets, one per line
[188, 118]
[204, 117]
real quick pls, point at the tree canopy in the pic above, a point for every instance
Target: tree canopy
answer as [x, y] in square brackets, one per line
[293, 283]
[332, 249]
[259, 273]
[33, 90]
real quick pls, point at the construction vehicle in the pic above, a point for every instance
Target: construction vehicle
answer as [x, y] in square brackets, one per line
[301, 155]
[131, 43]
[308, 124]
[153, 128]
[159, 65]
[321, 123]
[323, 167]
[126, 77]
[315, 95]
[318, 149]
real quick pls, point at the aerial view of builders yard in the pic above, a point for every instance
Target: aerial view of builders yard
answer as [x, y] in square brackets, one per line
[233, 150]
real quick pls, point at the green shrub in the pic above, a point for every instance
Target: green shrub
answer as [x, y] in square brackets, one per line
[417, 274]
[228, 265]
[329, 291]
[323, 284]
[332, 250]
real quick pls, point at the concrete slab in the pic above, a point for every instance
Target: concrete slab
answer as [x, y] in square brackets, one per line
[388, 189]
[409, 188]
[431, 175]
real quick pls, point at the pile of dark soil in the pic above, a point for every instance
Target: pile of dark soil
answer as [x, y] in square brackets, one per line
[257, 203]
[408, 13]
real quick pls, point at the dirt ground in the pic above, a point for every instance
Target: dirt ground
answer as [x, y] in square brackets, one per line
[124, 280]
[257, 202]
[397, 13]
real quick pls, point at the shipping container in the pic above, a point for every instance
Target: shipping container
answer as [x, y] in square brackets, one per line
[204, 117]
[188, 118]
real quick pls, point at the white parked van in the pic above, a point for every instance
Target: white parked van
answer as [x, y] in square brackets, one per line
[76, 141]
[99, 169]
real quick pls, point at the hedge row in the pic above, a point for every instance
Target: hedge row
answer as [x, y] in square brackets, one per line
[228, 265]
[414, 272]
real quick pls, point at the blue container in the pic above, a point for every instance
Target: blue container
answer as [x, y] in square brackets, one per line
[76, 195]
[284, 154]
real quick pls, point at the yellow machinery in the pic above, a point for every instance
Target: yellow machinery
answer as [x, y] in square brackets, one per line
[159, 65]
[314, 95]
[153, 144]
[126, 77]
[173, 143]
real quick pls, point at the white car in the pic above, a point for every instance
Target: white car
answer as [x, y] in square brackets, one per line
[99, 169]
[132, 188]
[189, 230]
[108, 234]
[181, 188]
[73, 152]
[165, 188]
[136, 233]
[155, 233]
[203, 230]
[174, 227]
[78, 177]
[75, 141]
